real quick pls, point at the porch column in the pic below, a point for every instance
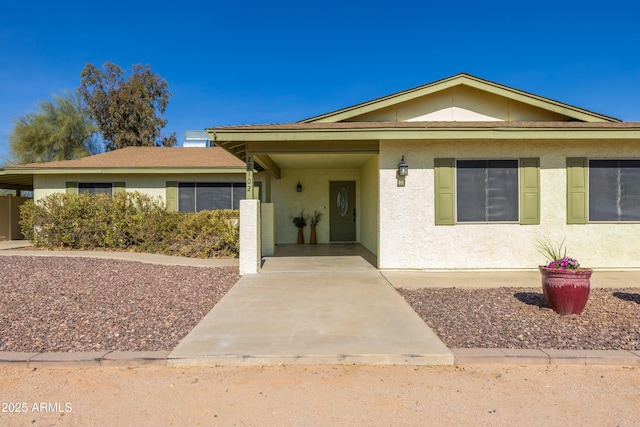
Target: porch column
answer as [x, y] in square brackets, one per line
[249, 177]
[250, 250]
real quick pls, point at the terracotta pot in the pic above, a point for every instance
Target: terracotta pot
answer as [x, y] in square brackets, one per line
[566, 291]
[300, 236]
[313, 239]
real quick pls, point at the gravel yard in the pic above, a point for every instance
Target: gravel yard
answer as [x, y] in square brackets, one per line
[84, 304]
[519, 318]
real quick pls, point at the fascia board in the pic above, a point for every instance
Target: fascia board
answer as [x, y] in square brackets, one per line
[111, 171]
[367, 135]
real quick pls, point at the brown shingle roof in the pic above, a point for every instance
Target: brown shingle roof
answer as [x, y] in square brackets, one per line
[149, 157]
[432, 125]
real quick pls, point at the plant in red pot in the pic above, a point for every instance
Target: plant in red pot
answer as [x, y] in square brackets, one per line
[565, 284]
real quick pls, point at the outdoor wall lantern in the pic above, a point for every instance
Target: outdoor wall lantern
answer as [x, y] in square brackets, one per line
[299, 187]
[403, 168]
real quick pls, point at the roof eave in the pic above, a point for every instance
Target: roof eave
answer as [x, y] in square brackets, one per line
[368, 134]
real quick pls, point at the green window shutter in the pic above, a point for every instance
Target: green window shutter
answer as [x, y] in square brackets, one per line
[172, 196]
[445, 192]
[530, 191]
[119, 187]
[72, 187]
[576, 190]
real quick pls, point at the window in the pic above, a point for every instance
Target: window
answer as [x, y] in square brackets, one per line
[487, 190]
[198, 196]
[614, 190]
[95, 188]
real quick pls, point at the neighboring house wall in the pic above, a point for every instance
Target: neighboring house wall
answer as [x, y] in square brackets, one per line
[410, 239]
[152, 185]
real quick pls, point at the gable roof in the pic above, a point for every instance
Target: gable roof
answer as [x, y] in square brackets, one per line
[146, 157]
[462, 79]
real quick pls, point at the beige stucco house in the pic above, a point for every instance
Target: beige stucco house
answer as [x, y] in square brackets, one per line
[187, 179]
[491, 169]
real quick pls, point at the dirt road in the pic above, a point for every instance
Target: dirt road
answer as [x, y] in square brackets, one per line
[322, 395]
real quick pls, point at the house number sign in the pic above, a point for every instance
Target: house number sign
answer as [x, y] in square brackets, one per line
[249, 174]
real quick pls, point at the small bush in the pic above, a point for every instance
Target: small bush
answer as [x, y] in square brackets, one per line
[128, 221]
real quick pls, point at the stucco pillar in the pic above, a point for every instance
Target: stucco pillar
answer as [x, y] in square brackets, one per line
[267, 225]
[250, 250]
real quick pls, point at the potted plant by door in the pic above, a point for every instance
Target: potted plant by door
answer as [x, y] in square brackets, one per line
[300, 222]
[565, 284]
[314, 220]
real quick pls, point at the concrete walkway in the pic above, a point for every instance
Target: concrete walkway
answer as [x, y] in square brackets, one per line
[308, 310]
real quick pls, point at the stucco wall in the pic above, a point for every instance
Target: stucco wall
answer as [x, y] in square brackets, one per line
[409, 238]
[461, 103]
[314, 196]
[152, 185]
[369, 204]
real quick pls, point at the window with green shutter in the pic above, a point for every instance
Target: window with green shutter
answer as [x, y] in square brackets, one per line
[529, 191]
[445, 192]
[172, 195]
[71, 187]
[576, 190]
[119, 187]
[487, 191]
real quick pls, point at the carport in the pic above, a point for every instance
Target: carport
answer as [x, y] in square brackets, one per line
[10, 204]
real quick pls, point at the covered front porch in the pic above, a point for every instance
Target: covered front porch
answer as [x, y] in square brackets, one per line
[325, 250]
[334, 178]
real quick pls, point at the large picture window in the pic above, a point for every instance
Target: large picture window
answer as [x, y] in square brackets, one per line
[199, 196]
[487, 190]
[614, 190]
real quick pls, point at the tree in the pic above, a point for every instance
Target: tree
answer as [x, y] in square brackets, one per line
[128, 111]
[60, 130]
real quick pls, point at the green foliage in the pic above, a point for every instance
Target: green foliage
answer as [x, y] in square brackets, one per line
[300, 221]
[206, 234]
[128, 111]
[128, 221]
[59, 130]
[550, 249]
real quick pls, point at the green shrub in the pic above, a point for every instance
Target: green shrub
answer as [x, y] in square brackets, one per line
[128, 221]
[206, 234]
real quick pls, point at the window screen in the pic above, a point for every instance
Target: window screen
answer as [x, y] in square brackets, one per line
[487, 190]
[614, 190]
[198, 196]
[187, 197]
[95, 188]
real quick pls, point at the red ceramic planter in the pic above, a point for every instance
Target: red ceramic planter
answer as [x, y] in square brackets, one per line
[566, 291]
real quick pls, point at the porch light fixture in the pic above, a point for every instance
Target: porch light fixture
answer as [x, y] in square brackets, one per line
[403, 168]
[299, 187]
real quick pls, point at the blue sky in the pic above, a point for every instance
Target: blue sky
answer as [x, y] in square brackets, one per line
[239, 62]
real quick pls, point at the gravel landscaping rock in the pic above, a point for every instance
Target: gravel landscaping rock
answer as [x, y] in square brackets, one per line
[60, 304]
[52, 304]
[519, 318]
